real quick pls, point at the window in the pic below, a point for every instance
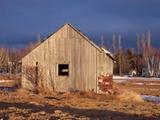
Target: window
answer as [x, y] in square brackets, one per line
[63, 69]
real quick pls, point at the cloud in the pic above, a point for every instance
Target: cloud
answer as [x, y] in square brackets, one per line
[22, 20]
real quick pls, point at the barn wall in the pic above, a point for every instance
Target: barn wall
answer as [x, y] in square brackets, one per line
[104, 66]
[40, 55]
[85, 61]
[81, 57]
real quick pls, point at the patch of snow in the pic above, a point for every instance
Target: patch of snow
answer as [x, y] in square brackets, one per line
[107, 52]
[151, 98]
[138, 83]
[154, 84]
[119, 81]
[120, 77]
[4, 81]
[134, 78]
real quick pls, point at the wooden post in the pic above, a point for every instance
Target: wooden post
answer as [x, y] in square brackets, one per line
[36, 75]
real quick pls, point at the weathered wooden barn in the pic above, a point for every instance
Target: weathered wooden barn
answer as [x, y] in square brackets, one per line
[66, 61]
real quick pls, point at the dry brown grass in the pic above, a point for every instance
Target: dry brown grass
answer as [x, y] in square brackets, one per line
[140, 89]
[23, 105]
[129, 96]
[89, 95]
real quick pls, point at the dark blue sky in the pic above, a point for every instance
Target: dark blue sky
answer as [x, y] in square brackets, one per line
[22, 20]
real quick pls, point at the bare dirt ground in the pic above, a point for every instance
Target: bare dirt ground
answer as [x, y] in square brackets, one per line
[23, 105]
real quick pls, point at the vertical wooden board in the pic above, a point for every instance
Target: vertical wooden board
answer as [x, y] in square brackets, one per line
[55, 57]
[83, 65]
[45, 64]
[111, 66]
[63, 60]
[77, 65]
[90, 66]
[48, 76]
[74, 61]
[91, 56]
[92, 61]
[100, 63]
[66, 60]
[73, 34]
[69, 32]
[87, 64]
[66, 31]
[71, 70]
[105, 61]
[93, 79]
[107, 64]
[52, 60]
[93, 69]
[72, 64]
[98, 69]
[70, 35]
[56, 52]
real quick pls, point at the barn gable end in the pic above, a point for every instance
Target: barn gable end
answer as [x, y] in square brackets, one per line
[68, 47]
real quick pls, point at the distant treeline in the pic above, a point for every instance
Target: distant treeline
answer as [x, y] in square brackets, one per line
[144, 59]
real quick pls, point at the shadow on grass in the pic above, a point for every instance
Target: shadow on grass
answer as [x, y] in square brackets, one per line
[52, 98]
[91, 113]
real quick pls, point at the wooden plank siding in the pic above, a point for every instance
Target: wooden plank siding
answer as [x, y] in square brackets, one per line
[67, 46]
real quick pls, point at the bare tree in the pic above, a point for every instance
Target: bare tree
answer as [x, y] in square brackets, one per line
[138, 43]
[114, 43]
[157, 60]
[29, 48]
[120, 54]
[149, 54]
[4, 57]
[35, 75]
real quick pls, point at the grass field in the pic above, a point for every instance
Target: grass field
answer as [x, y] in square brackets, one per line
[143, 86]
[23, 105]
